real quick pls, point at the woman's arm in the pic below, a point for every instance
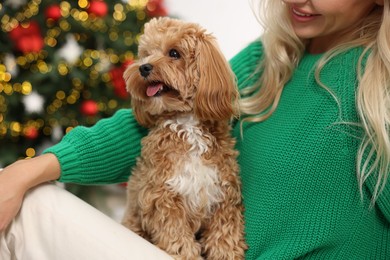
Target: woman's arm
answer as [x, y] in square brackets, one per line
[20, 176]
[103, 153]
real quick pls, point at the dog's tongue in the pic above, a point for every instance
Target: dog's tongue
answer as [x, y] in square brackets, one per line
[153, 89]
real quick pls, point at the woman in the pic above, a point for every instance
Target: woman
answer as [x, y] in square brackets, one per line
[313, 136]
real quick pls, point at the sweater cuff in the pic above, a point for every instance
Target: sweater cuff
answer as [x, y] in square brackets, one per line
[68, 159]
[102, 154]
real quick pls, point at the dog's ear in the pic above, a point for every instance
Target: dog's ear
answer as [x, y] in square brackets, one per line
[217, 94]
[141, 116]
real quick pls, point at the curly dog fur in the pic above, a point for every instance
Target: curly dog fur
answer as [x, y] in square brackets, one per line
[184, 193]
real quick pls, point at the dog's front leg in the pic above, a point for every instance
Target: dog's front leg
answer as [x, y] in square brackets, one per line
[223, 236]
[171, 229]
[132, 222]
[132, 218]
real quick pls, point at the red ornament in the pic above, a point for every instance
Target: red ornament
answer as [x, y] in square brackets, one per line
[155, 8]
[89, 108]
[33, 43]
[98, 8]
[27, 38]
[117, 80]
[53, 12]
[31, 133]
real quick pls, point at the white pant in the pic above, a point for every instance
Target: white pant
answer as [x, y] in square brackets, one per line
[53, 224]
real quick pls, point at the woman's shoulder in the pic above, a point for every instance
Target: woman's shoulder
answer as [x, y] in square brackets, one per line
[251, 53]
[246, 62]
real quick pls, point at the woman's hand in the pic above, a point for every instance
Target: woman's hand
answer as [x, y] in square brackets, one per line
[18, 178]
[11, 196]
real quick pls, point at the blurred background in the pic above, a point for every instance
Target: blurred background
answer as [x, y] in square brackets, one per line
[231, 21]
[61, 65]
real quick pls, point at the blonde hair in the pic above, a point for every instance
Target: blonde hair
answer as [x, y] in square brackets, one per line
[282, 52]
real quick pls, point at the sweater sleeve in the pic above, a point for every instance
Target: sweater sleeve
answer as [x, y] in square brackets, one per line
[100, 154]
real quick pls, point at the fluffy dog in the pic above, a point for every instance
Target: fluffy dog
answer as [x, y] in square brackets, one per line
[184, 193]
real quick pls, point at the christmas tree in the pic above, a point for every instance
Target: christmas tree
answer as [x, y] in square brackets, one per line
[61, 65]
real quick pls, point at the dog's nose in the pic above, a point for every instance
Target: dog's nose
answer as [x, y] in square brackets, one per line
[145, 69]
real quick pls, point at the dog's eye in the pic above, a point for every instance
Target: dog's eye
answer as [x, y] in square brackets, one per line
[174, 54]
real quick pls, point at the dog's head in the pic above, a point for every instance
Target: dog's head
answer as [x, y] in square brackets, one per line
[180, 69]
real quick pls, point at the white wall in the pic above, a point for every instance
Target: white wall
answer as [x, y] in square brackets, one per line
[231, 21]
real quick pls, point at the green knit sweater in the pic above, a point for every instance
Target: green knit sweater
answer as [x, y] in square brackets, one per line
[298, 167]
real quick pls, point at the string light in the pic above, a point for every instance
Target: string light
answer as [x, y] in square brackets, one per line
[30, 152]
[68, 129]
[82, 3]
[62, 69]
[64, 25]
[4, 75]
[60, 95]
[15, 127]
[8, 89]
[141, 15]
[47, 130]
[106, 77]
[114, 58]
[112, 104]
[26, 88]
[65, 8]
[119, 14]
[113, 36]
[138, 4]
[50, 41]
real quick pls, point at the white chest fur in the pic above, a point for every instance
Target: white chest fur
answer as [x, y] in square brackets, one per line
[195, 181]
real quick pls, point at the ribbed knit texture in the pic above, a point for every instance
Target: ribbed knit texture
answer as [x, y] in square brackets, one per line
[298, 167]
[101, 154]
